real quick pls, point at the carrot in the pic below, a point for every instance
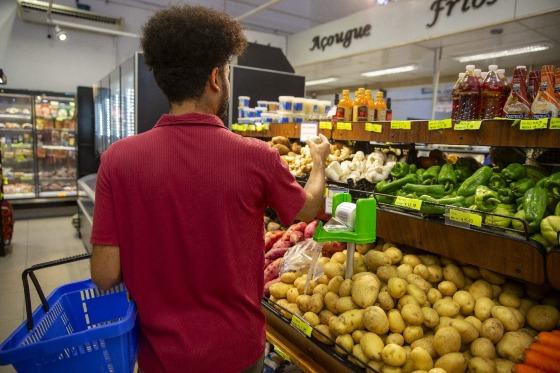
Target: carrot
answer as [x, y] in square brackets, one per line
[541, 361]
[550, 339]
[524, 368]
[547, 350]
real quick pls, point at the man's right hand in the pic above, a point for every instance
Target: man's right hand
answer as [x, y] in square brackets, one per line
[319, 151]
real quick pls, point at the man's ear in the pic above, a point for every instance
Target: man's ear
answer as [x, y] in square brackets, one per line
[215, 79]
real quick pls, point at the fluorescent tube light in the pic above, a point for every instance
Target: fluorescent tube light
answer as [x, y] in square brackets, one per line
[503, 53]
[392, 70]
[320, 81]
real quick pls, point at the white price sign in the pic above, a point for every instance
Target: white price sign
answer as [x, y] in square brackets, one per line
[308, 130]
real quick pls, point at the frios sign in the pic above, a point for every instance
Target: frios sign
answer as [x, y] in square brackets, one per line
[447, 6]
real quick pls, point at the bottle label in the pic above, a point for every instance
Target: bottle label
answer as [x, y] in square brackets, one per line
[340, 112]
[362, 114]
[540, 116]
[557, 88]
[516, 87]
[381, 115]
[543, 86]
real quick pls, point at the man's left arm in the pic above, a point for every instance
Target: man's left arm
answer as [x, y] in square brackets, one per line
[105, 266]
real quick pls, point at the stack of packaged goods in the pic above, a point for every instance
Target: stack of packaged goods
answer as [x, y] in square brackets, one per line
[363, 108]
[287, 109]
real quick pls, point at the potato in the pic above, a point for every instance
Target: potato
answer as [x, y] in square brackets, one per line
[418, 281]
[496, 291]
[359, 263]
[303, 302]
[312, 318]
[412, 333]
[453, 362]
[480, 289]
[282, 149]
[447, 288]
[404, 270]
[513, 288]
[334, 284]
[471, 272]
[323, 280]
[506, 317]
[375, 320]
[435, 274]
[396, 322]
[444, 321]
[344, 304]
[445, 261]
[431, 317]
[434, 295]
[408, 366]
[323, 334]
[385, 301]
[394, 254]
[437, 370]
[513, 344]
[417, 293]
[483, 347]
[365, 290]
[422, 271]
[481, 365]
[466, 330]
[492, 277]
[421, 358]
[393, 355]
[412, 314]
[321, 289]
[492, 329]
[292, 295]
[518, 315]
[364, 248]
[503, 366]
[324, 260]
[300, 283]
[391, 369]
[474, 322]
[483, 308]
[397, 287]
[454, 274]
[446, 307]
[281, 140]
[372, 346]
[279, 290]
[411, 259]
[375, 259]
[345, 343]
[330, 301]
[407, 299]
[465, 301]
[357, 335]
[347, 322]
[447, 340]
[385, 272]
[358, 356]
[509, 300]
[374, 366]
[345, 288]
[325, 316]
[543, 317]
[333, 269]
[338, 257]
[288, 277]
[430, 260]
[293, 309]
[395, 338]
[316, 303]
[427, 343]
[526, 305]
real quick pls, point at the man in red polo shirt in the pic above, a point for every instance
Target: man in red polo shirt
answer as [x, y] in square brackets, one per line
[179, 209]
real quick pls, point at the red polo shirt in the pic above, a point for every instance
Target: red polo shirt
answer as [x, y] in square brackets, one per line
[184, 202]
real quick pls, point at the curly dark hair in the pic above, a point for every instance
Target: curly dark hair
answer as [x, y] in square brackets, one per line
[182, 44]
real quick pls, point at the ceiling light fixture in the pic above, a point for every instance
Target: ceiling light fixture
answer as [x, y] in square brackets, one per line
[392, 70]
[60, 33]
[320, 81]
[503, 53]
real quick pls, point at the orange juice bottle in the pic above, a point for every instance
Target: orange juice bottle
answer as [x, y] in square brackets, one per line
[371, 106]
[344, 107]
[360, 111]
[380, 107]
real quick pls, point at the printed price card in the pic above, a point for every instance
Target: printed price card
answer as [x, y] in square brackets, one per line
[468, 125]
[554, 123]
[325, 125]
[301, 325]
[259, 126]
[465, 217]
[409, 203]
[251, 127]
[434, 125]
[401, 125]
[308, 130]
[345, 126]
[374, 127]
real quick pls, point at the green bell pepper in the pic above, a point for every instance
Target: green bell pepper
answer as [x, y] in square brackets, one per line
[518, 224]
[496, 181]
[557, 209]
[519, 187]
[552, 185]
[550, 226]
[420, 173]
[469, 200]
[392, 186]
[436, 206]
[514, 171]
[436, 190]
[505, 195]
[447, 177]
[431, 175]
[534, 204]
[412, 169]
[462, 172]
[537, 237]
[500, 221]
[535, 173]
[486, 199]
[480, 177]
[400, 169]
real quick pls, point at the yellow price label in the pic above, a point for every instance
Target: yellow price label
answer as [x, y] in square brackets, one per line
[542, 123]
[281, 353]
[61, 194]
[401, 125]
[528, 124]
[345, 126]
[434, 125]
[466, 217]
[468, 125]
[234, 126]
[260, 127]
[554, 123]
[409, 203]
[325, 125]
[251, 127]
[242, 128]
[374, 127]
[301, 325]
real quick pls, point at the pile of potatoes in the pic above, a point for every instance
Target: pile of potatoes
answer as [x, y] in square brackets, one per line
[414, 312]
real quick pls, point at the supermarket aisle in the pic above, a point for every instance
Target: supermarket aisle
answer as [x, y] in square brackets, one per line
[36, 241]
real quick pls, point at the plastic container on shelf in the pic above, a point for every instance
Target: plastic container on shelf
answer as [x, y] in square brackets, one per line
[273, 106]
[533, 82]
[469, 96]
[284, 117]
[297, 106]
[259, 110]
[491, 95]
[250, 113]
[242, 112]
[244, 101]
[307, 106]
[370, 105]
[507, 88]
[344, 107]
[360, 112]
[545, 104]
[262, 103]
[286, 103]
[298, 118]
[455, 97]
[380, 107]
[517, 105]
[269, 117]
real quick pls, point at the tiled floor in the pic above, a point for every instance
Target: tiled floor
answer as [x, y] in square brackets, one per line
[36, 241]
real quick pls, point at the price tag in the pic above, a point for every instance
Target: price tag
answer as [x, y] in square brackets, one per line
[301, 325]
[330, 192]
[281, 353]
[554, 123]
[542, 123]
[434, 125]
[401, 124]
[308, 130]
[251, 127]
[465, 217]
[468, 125]
[374, 127]
[234, 126]
[409, 203]
[242, 128]
[259, 126]
[325, 125]
[345, 126]
[61, 194]
[533, 124]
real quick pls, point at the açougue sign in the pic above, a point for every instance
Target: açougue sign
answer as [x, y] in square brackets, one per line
[344, 38]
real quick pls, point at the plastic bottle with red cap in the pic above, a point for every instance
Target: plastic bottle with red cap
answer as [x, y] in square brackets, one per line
[491, 94]
[517, 105]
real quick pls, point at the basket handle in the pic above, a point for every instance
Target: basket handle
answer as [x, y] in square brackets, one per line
[31, 273]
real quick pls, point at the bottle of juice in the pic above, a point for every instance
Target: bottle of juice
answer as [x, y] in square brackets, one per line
[491, 94]
[533, 83]
[545, 104]
[517, 105]
[483, 75]
[360, 109]
[344, 107]
[478, 74]
[469, 96]
[506, 89]
[455, 97]
[371, 106]
[380, 107]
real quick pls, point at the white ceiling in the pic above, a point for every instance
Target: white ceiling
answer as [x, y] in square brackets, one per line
[545, 28]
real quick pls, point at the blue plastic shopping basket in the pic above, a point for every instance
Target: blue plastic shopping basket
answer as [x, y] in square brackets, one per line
[78, 328]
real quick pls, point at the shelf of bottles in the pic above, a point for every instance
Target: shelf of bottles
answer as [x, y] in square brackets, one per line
[55, 119]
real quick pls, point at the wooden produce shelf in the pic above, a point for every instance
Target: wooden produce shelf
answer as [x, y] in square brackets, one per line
[506, 255]
[289, 130]
[553, 268]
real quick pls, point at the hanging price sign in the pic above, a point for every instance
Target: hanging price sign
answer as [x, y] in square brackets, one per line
[434, 125]
[301, 325]
[465, 217]
[325, 125]
[468, 125]
[409, 203]
[374, 127]
[554, 124]
[401, 125]
[345, 126]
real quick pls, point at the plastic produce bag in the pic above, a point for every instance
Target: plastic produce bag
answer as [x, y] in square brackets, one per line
[304, 257]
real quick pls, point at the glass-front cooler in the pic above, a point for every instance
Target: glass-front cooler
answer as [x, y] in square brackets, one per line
[127, 98]
[55, 123]
[16, 139]
[115, 86]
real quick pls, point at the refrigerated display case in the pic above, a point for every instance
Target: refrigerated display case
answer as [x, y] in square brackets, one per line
[16, 138]
[116, 122]
[128, 98]
[86, 200]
